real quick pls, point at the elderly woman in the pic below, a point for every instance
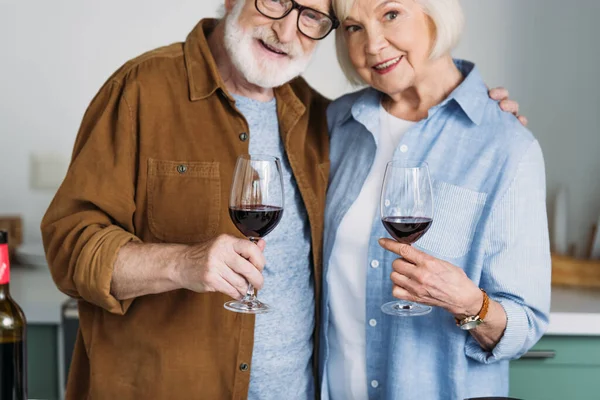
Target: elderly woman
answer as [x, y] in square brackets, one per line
[484, 265]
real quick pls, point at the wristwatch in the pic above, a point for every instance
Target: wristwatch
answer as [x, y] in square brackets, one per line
[473, 322]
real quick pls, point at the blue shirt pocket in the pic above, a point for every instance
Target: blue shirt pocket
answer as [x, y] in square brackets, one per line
[456, 215]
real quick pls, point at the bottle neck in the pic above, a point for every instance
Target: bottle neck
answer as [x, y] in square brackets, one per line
[4, 292]
[4, 271]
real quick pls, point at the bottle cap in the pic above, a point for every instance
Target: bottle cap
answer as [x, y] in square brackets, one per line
[3, 237]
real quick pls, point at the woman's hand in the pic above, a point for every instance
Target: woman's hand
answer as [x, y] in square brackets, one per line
[500, 94]
[421, 278]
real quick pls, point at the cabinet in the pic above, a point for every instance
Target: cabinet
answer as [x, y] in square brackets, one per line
[42, 362]
[573, 372]
[558, 368]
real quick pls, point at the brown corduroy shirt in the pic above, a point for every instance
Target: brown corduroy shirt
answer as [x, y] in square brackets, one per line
[167, 109]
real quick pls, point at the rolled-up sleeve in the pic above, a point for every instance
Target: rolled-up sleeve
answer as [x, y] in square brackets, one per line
[517, 264]
[91, 215]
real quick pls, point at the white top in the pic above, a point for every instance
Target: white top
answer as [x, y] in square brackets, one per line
[347, 274]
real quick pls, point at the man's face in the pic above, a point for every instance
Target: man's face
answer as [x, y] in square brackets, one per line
[267, 52]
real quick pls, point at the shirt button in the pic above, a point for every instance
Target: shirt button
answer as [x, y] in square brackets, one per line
[243, 136]
[373, 322]
[374, 264]
[244, 367]
[404, 148]
[375, 384]
[182, 169]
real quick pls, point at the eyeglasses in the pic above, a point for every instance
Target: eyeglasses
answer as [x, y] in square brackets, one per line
[311, 23]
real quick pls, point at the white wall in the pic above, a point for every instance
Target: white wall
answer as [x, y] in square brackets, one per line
[54, 55]
[547, 53]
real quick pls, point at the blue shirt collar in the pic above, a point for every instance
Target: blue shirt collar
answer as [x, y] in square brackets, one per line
[471, 95]
[366, 109]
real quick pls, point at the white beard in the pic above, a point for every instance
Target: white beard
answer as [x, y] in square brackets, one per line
[260, 71]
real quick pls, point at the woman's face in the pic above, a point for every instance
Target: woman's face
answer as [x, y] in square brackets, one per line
[389, 42]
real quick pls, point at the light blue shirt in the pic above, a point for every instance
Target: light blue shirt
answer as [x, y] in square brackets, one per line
[283, 338]
[490, 220]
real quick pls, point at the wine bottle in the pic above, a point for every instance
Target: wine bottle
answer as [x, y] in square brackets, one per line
[13, 348]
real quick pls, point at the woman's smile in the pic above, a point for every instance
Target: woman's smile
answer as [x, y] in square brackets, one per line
[387, 66]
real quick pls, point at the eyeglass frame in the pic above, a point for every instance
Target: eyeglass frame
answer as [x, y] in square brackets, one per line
[335, 23]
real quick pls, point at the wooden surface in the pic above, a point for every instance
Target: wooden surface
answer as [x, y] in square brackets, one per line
[569, 271]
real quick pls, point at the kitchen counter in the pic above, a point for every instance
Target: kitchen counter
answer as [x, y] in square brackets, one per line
[573, 311]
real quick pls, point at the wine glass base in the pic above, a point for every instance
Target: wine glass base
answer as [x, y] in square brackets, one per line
[247, 306]
[405, 309]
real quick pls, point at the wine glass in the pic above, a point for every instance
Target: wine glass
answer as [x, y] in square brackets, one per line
[255, 207]
[406, 213]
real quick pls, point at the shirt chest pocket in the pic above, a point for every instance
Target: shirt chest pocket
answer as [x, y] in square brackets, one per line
[456, 215]
[184, 200]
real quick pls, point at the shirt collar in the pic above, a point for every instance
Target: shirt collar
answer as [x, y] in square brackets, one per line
[471, 95]
[203, 75]
[365, 109]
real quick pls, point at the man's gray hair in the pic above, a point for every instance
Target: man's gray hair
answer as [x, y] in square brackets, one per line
[447, 16]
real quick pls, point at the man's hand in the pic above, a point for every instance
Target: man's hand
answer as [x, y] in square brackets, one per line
[225, 264]
[500, 94]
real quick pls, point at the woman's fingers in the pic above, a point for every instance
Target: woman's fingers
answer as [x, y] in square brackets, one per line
[411, 286]
[405, 251]
[403, 294]
[401, 266]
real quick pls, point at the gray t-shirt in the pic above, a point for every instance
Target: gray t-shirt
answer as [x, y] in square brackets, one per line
[283, 343]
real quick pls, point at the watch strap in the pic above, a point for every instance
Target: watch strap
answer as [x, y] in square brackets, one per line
[473, 321]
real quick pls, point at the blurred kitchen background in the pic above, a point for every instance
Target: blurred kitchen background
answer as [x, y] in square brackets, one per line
[55, 55]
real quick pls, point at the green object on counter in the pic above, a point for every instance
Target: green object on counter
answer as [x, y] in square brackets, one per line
[562, 367]
[42, 362]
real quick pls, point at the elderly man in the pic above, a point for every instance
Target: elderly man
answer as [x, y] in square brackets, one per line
[139, 230]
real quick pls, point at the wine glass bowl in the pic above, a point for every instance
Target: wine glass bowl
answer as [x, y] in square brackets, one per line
[255, 221]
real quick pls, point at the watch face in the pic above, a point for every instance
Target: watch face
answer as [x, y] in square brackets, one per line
[470, 325]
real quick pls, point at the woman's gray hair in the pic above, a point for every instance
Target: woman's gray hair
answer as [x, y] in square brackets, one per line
[447, 16]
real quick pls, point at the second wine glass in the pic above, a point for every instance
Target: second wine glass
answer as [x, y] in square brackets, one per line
[255, 207]
[407, 214]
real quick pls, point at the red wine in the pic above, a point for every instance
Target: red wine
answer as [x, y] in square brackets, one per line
[13, 353]
[406, 230]
[255, 221]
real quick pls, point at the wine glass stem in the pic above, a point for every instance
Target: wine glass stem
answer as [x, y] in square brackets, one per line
[250, 292]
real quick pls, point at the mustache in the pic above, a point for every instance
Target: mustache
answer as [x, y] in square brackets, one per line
[269, 37]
